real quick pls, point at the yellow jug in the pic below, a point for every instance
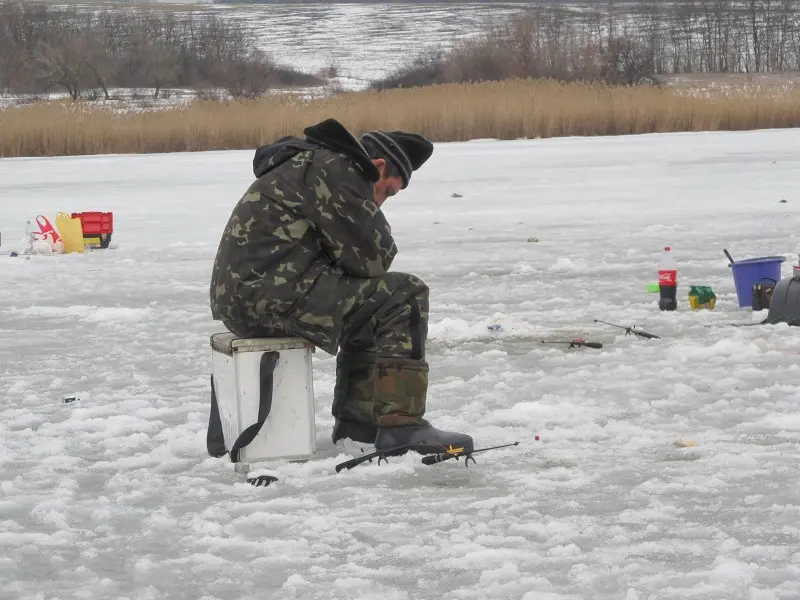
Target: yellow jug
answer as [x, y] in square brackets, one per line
[71, 232]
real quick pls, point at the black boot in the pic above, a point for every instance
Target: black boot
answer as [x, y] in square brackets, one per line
[400, 399]
[353, 430]
[353, 397]
[423, 438]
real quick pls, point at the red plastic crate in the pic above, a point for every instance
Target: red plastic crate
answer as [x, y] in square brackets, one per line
[97, 227]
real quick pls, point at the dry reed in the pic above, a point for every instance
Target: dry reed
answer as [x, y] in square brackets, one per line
[453, 112]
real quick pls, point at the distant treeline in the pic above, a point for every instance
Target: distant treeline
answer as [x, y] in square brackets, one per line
[45, 47]
[621, 43]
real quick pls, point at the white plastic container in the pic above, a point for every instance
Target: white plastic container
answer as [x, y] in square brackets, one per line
[288, 432]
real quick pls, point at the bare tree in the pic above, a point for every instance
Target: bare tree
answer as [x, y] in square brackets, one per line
[106, 44]
[154, 64]
[62, 58]
[246, 78]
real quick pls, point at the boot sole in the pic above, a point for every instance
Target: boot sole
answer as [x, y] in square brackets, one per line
[418, 447]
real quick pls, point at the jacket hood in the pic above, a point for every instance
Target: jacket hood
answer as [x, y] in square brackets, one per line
[271, 155]
[329, 134]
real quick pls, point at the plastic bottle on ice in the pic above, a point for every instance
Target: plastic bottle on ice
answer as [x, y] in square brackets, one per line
[668, 281]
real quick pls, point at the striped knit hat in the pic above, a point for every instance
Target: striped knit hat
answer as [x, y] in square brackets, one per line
[407, 151]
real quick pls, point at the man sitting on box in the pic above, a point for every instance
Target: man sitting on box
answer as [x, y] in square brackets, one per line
[306, 253]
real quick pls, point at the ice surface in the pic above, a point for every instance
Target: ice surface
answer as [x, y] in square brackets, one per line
[113, 496]
[363, 42]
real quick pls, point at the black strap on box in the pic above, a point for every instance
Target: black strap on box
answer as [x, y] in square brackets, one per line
[215, 440]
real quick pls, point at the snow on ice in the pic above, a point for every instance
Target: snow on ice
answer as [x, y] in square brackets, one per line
[113, 495]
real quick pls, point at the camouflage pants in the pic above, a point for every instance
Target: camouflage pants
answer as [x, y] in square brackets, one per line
[380, 320]
[389, 316]
[385, 331]
[386, 315]
[387, 327]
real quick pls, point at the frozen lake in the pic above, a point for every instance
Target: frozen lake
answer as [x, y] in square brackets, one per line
[114, 496]
[364, 42]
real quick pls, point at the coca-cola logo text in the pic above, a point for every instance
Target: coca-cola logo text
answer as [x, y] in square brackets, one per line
[667, 277]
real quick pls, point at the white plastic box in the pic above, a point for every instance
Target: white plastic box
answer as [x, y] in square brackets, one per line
[288, 432]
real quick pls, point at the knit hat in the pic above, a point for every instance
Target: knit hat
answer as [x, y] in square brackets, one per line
[407, 151]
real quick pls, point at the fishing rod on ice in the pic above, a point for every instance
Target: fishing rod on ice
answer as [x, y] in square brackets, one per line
[575, 343]
[430, 459]
[456, 453]
[631, 330]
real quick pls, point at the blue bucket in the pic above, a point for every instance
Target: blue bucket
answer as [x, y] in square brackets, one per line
[747, 273]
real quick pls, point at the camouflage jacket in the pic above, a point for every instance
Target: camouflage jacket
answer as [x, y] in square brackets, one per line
[301, 236]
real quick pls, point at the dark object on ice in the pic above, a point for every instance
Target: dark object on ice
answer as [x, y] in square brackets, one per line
[728, 254]
[762, 294]
[13, 254]
[430, 459]
[576, 344]
[368, 456]
[783, 200]
[785, 304]
[495, 327]
[423, 438]
[631, 330]
[70, 399]
[261, 480]
[363, 433]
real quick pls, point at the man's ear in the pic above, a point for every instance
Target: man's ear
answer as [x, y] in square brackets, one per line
[380, 163]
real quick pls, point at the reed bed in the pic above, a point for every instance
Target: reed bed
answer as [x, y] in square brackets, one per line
[452, 112]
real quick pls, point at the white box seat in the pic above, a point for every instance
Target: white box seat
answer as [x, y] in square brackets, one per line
[262, 392]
